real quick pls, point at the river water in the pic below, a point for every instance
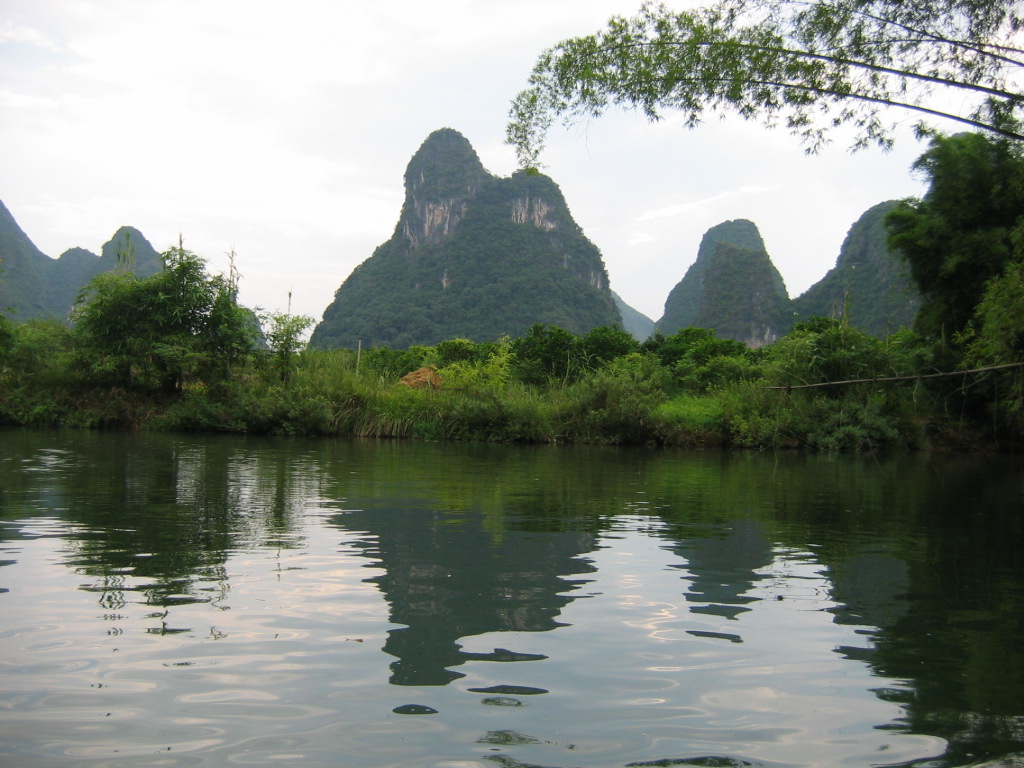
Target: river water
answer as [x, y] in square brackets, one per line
[173, 600]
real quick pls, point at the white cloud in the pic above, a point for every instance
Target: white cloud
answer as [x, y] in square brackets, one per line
[16, 33]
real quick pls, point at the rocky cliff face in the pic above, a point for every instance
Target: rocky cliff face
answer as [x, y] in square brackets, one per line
[732, 287]
[473, 256]
[868, 283]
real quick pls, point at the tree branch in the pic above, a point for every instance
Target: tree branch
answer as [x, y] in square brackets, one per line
[856, 64]
[900, 378]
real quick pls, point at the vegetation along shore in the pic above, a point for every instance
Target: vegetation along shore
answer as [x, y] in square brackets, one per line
[172, 349]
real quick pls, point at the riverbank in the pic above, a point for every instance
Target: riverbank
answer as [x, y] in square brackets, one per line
[496, 393]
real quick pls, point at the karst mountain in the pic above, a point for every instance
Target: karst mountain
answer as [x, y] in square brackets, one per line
[473, 256]
[34, 286]
[732, 287]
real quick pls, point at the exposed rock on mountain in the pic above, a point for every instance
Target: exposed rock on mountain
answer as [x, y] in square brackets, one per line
[732, 287]
[472, 256]
[868, 282]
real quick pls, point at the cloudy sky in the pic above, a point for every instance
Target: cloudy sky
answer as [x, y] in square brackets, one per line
[282, 131]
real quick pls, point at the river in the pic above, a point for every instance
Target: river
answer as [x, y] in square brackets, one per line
[178, 600]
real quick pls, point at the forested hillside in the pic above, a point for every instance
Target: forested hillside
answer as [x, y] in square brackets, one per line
[732, 287]
[473, 256]
[33, 286]
[869, 284]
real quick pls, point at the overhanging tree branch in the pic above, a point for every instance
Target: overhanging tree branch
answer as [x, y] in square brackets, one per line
[853, 96]
[852, 63]
[865, 52]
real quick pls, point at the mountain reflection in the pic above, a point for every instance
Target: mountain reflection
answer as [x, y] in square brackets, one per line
[153, 518]
[722, 565]
[924, 556]
[447, 577]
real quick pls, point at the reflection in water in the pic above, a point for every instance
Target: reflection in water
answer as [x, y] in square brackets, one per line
[446, 577]
[723, 566]
[768, 592]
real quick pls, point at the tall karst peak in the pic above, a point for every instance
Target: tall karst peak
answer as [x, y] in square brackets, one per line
[443, 175]
[128, 243]
[731, 287]
[473, 255]
[683, 302]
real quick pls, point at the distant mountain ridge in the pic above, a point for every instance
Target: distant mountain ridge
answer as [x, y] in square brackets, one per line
[634, 322]
[478, 256]
[869, 281]
[473, 256]
[34, 286]
[732, 287]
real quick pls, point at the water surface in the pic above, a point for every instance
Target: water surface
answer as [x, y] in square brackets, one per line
[211, 601]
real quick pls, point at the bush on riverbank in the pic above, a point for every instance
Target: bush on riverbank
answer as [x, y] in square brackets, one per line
[690, 389]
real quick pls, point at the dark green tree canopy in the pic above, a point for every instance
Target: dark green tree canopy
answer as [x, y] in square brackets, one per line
[157, 331]
[960, 234]
[809, 66]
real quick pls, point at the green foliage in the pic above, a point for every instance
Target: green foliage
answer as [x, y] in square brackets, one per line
[688, 419]
[462, 351]
[699, 391]
[6, 339]
[699, 360]
[959, 236]
[487, 378]
[283, 333]
[37, 373]
[996, 337]
[547, 354]
[159, 332]
[826, 350]
[606, 343]
[693, 345]
[616, 404]
[864, 416]
[395, 363]
[809, 66]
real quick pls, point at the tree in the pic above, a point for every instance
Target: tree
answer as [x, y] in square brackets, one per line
[606, 343]
[158, 331]
[6, 339]
[695, 345]
[547, 353]
[996, 337]
[811, 66]
[284, 338]
[959, 236]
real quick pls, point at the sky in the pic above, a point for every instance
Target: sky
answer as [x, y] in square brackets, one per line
[281, 132]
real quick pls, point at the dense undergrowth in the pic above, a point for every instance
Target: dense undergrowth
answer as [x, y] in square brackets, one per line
[689, 389]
